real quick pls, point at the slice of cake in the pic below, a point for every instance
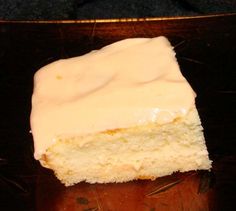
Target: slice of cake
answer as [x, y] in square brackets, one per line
[120, 113]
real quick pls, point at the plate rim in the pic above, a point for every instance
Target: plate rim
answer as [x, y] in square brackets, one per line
[115, 20]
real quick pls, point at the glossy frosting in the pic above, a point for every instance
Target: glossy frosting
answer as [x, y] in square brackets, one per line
[128, 83]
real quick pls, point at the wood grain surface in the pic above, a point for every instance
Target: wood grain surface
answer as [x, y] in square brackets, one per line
[206, 51]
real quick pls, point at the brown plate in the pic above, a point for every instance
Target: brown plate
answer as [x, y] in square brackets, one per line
[206, 51]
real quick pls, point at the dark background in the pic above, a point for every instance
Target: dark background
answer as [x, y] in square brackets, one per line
[90, 9]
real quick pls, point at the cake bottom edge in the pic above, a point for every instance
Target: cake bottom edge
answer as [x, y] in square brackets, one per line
[144, 152]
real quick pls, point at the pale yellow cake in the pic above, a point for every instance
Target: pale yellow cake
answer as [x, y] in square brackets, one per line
[120, 113]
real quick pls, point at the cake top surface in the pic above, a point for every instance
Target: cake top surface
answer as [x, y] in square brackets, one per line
[128, 83]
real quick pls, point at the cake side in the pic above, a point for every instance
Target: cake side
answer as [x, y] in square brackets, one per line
[141, 152]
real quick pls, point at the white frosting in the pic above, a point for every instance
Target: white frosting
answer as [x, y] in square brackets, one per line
[128, 83]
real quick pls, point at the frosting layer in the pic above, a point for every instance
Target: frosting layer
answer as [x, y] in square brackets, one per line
[131, 82]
